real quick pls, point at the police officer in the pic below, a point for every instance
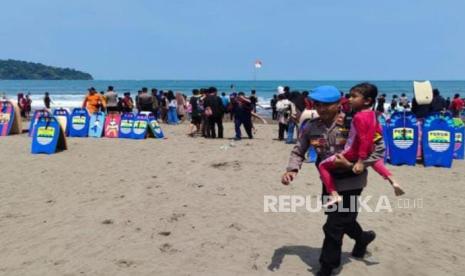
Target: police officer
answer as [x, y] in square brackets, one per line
[327, 134]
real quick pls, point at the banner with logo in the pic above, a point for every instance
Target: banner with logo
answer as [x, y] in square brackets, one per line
[79, 123]
[48, 137]
[459, 148]
[126, 125]
[402, 138]
[438, 140]
[139, 128]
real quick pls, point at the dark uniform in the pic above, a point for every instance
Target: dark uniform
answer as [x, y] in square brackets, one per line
[328, 141]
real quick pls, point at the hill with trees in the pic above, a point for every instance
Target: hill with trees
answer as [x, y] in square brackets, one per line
[23, 70]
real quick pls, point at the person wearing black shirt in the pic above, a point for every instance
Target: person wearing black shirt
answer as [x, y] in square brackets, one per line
[214, 111]
[447, 102]
[242, 109]
[253, 101]
[196, 115]
[420, 111]
[47, 100]
[438, 103]
[380, 104]
[274, 114]
[394, 103]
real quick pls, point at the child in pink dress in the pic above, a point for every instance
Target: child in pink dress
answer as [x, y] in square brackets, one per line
[365, 130]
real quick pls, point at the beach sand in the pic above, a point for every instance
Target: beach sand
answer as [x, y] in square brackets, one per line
[184, 206]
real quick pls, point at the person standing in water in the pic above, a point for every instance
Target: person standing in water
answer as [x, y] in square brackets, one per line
[47, 101]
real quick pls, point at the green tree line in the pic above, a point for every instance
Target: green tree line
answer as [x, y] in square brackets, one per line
[23, 70]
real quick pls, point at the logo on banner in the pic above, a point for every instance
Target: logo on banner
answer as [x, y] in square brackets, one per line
[4, 118]
[156, 126]
[112, 127]
[79, 122]
[45, 135]
[403, 137]
[439, 140]
[126, 127]
[140, 127]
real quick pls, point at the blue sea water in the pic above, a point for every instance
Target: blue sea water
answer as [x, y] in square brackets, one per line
[71, 93]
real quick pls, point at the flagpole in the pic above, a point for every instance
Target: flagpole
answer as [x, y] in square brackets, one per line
[254, 76]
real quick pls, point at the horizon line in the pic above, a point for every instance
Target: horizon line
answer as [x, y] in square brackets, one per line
[246, 80]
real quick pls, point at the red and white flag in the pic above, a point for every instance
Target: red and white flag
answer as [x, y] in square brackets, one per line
[258, 64]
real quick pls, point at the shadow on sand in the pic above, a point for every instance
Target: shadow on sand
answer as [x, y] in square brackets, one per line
[308, 255]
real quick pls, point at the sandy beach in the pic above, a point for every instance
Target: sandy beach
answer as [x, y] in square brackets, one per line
[184, 206]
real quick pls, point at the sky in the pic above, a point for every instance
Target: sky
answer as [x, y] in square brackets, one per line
[221, 39]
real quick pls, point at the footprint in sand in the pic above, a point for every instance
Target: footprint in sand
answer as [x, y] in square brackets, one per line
[124, 263]
[236, 226]
[175, 216]
[167, 248]
[196, 185]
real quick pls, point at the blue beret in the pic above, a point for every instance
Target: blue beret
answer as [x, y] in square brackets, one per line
[325, 94]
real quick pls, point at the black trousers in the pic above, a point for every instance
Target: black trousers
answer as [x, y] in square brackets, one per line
[205, 126]
[212, 121]
[337, 224]
[243, 120]
[282, 129]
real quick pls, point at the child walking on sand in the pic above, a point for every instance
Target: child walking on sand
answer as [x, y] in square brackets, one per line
[364, 132]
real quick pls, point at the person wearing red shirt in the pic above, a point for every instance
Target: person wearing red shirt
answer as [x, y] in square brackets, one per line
[457, 106]
[364, 132]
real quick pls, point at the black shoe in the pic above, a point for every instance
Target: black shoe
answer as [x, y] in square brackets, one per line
[324, 271]
[360, 247]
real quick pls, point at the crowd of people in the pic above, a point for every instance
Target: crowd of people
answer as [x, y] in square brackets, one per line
[206, 110]
[438, 104]
[287, 108]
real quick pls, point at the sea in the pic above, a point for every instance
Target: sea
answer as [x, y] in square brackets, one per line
[70, 93]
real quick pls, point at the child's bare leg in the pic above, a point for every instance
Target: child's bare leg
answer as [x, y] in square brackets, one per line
[381, 169]
[397, 188]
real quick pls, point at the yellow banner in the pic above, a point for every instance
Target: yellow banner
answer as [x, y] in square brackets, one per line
[45, 132]
[439, 136]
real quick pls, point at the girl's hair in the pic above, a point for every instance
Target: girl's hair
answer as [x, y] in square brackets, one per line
[456, 96]
[368, 91]
[170, 95]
